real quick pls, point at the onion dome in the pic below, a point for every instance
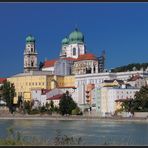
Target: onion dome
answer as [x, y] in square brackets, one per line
[65, 41]
[30, 38]
[76, 37]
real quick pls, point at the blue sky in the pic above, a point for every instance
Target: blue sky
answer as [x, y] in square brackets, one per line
[119, 28]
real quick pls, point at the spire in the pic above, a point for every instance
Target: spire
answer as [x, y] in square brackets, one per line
[76, 27]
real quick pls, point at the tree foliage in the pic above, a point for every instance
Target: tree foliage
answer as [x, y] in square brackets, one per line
[66, 104]
[130, 67]
[139, 103]
[8, 93]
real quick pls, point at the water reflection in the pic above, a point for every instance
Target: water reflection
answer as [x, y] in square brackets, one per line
[92, 132]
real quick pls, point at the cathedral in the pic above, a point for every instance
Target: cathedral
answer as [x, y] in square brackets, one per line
[74, 58]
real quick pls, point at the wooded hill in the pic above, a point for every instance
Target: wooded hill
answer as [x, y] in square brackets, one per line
[131, 67]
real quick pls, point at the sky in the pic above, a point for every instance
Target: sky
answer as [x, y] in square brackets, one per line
[121, 29]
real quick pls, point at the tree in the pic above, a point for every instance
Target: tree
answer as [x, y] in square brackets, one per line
[127, 105]
[27, 106]
[66, 104]
[140, 103]
[8, 93]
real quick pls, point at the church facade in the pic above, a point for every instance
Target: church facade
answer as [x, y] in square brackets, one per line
[74, 58]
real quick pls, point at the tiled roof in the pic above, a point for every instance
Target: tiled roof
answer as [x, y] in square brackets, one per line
[44, 91]
[2, 80]
[87, 56]
[56, 97]
[49, 63]
[111, 81]
[134, 78]
[70, 59]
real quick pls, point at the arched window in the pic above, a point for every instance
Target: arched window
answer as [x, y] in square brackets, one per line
[74, 51]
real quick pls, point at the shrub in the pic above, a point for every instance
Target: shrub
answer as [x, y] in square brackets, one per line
[34, 111]
[76, 111]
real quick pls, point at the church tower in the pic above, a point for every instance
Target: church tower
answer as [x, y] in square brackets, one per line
[73, 45]
[30, 55]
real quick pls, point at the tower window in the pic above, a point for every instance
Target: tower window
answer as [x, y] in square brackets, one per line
[31, 49]
[74, 51]
[32, 64]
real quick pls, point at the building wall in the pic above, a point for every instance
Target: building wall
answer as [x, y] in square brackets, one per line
[80, 49]
[109, 95]
[51, 69]
[69, 80]
[26, 83]
[63, 67]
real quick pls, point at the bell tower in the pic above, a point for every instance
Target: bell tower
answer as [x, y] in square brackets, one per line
[30, 55]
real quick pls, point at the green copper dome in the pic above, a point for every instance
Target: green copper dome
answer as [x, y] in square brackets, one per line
[30, 38]
[65, 41]
[76, 37]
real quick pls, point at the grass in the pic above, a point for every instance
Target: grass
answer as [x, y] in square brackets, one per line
[17, 138]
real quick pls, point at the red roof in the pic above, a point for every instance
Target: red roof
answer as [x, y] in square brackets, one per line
[87, 56]
[56, 97]
[70, 59]
[135, 77]
[44, 91]
[2, 80]
[49, 63]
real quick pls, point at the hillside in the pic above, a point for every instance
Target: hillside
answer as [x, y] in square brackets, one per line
[130, 67]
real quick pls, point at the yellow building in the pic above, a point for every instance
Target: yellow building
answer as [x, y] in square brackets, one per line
[111, 83]
[69, 81]
[25, 82]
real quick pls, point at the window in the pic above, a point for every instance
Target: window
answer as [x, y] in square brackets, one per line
[32, 63]
[31, 49]
[74, 51]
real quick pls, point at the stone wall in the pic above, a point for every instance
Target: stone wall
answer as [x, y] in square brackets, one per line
[141, 114]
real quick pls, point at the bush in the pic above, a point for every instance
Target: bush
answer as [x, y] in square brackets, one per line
[76, 111]
[43, 109]
[34, 111]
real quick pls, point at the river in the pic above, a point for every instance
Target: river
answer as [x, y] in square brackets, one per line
[92, 132]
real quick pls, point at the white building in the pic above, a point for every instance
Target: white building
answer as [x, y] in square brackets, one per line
[39, 96]
[97, 78]
[111, 95]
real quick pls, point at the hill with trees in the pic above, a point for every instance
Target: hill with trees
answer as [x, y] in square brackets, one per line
[131, 67]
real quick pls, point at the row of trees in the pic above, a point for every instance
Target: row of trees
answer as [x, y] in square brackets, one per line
[66, 105]
[130, 67]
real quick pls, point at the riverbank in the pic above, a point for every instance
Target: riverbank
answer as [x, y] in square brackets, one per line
[78, 117]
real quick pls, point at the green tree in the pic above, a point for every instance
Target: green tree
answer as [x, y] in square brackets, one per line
[27, 107]
[140, 103]
[52, 105]
[8, 93]
[66, 104]
[127, 105]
